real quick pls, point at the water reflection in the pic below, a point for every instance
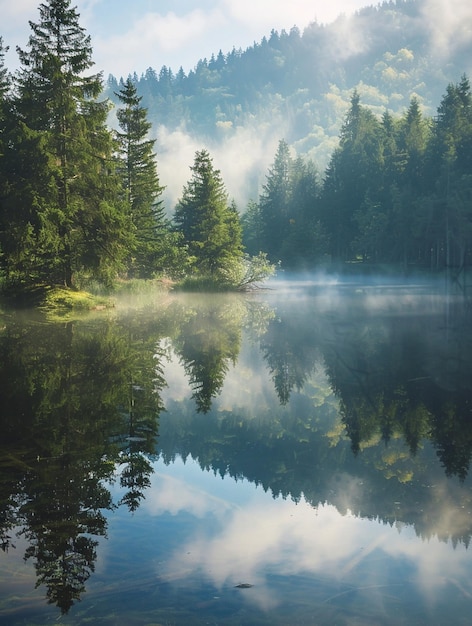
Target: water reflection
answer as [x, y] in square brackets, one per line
[345, 412]
[265, 541]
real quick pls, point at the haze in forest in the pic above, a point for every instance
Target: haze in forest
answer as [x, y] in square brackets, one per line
[295, 84]
[343, 144]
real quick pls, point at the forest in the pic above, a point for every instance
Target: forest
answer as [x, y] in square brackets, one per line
[81, 197]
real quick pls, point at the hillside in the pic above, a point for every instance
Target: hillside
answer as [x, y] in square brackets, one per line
[297, 86]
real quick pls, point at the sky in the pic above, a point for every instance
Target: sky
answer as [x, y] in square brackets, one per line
[131, 36]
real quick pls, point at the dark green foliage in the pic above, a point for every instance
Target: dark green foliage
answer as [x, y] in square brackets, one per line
[274, 203]
[70, 214]
[209, 225]
[285, 223]
[77, 200]
[303, 80]
[397, 191]
[351, 179]
[140, 182]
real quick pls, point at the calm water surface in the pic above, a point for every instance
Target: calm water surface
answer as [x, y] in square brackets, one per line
[297, 456]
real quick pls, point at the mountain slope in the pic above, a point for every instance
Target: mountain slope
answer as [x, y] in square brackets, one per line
[297, 86]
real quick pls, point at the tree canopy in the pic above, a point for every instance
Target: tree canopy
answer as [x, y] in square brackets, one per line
[209, 224]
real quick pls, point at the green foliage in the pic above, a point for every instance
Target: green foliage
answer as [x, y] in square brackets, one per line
[70, 198]
[137, 167]
[80, 203]
[285, 222]
[210, 228]
[304, 80]
[248, 272]
[59, 300]
[243, 274]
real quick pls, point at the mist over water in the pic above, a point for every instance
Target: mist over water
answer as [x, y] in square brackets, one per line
[309, 441]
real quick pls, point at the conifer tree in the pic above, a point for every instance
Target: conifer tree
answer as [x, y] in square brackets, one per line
[274, 203]
[4, 76]
[4, 89]
[252, 226]
[83, 225]
[140, 181]
[449, 210]
[351, 177]
[211, 229]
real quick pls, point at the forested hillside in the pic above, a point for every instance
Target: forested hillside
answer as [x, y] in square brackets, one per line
[297, 86]
[347, 143]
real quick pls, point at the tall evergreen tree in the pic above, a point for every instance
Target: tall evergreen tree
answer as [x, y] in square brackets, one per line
[210, 227]
[305, 241]
[140, 181]
[252, 225]
[351, 179]
[24, 178]
[274, 203]
[412, 141]
[86, 226]
[4, 76]
[451, 162]
[4, 90]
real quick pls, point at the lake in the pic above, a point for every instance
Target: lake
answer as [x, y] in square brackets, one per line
[299, 455]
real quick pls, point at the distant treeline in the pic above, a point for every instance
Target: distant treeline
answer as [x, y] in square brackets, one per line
[302, 81]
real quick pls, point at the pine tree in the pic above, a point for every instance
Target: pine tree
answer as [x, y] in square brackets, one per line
[351, 180]
[211, 229]
[83, 225]
[140, 181]
[449, 210]
[305, 241]
[4, 76]
[252, 226]
[412, 140]
[274, 203]
[23, 158]
[4, 100]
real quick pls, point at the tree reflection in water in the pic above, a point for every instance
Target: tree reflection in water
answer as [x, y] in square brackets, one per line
[82, 406]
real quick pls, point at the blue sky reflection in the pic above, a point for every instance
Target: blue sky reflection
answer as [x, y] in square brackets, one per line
[239, 533]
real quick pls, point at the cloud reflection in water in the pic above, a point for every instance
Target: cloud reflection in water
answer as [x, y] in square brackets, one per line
[241, 534]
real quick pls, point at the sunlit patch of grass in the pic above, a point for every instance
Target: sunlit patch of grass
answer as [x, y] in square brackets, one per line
[62, 299]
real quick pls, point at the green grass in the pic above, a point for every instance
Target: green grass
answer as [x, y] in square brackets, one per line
[60, 298]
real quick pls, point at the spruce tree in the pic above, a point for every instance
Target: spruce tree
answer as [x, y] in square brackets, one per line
[141, 182]
[350, 182]
[449, 165]
[83, 225]
[210, 227]
[4, 75]
[274, 203]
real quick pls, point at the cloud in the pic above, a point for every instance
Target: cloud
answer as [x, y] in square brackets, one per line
[449, 23]
[264, 536]
[155, 40]
[268, 15]
[175, 496]
[180, 38]
[243, 156]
